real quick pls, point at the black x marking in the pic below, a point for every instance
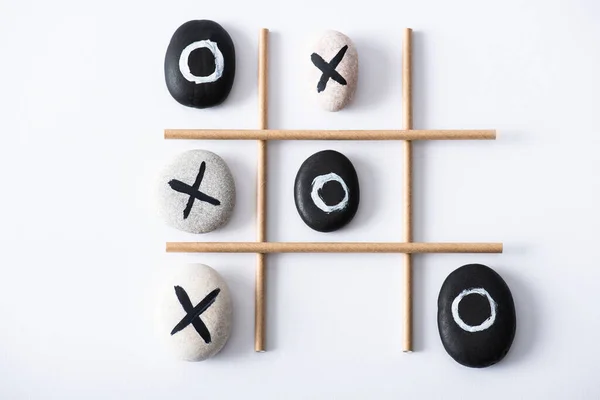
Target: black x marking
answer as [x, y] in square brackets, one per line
[193, 313]
[328, 68]
[193, 191]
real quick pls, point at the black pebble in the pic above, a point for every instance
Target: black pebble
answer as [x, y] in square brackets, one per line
[201, 63]
[331, 193]
[485, 347]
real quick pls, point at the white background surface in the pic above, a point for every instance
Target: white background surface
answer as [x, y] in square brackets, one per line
[84, 106]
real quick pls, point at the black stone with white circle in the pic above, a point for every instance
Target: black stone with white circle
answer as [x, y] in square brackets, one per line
[476, 316]
[200, 64]
[326, 191]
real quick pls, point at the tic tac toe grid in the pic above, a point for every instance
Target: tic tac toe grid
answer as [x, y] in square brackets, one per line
[262, 247]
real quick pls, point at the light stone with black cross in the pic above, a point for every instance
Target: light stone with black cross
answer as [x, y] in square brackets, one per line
[333, 66]
[196, 192]
[202, 330]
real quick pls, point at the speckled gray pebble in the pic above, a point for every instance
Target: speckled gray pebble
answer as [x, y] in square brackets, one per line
[194, 313]
[333, 66]
[212, 202]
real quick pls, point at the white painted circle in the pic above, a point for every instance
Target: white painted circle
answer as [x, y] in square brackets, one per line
[485, 324]
[318, 183]
[219, 62]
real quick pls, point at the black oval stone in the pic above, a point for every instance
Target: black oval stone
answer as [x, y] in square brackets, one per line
[476, 316]
[326, 191]
[200, 64]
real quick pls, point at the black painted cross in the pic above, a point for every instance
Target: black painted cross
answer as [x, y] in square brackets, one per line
[193, 313]
[193, 191]
[328, 68]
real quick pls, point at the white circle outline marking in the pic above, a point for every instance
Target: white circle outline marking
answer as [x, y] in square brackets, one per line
[317, 184]
[219, 62]
[485, 324]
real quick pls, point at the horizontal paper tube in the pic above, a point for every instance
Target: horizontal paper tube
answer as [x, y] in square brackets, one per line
[278, 134]
[335, 247]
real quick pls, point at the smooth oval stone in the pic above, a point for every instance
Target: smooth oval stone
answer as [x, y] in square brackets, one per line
[200, 64]
[197, 192]
[326, 191]
[333, 70]
[476, 316]
[194, 312]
